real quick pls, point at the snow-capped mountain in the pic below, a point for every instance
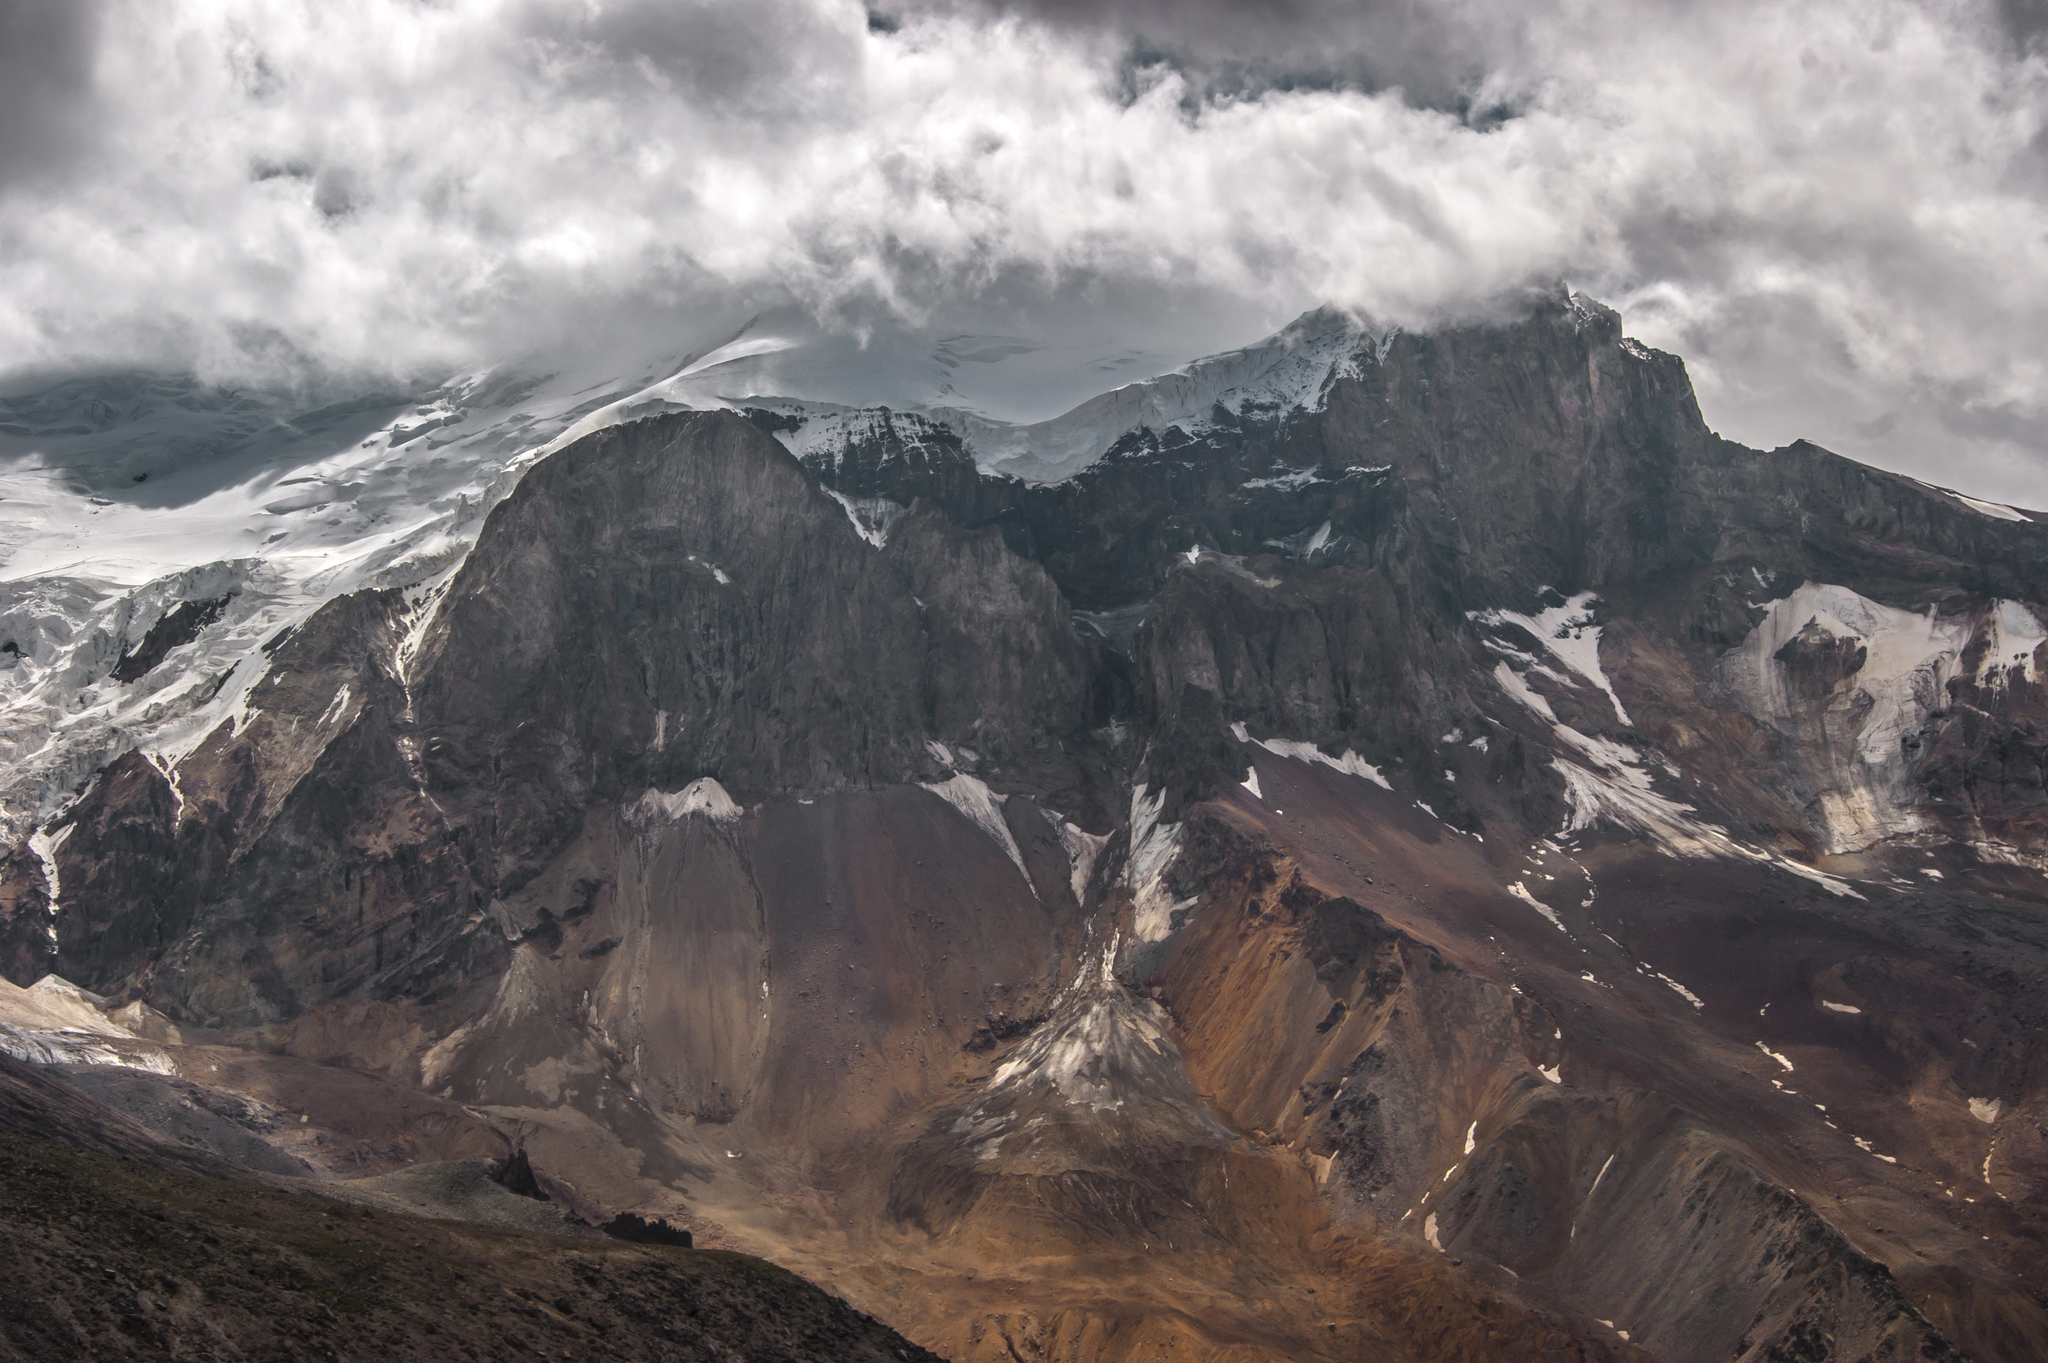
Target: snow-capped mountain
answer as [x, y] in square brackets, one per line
[123, 496]
[1373, 844]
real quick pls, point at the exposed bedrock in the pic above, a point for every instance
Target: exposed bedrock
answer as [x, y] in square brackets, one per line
[677, 598]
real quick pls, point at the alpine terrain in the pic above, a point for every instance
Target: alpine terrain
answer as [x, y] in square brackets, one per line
[1376, 845]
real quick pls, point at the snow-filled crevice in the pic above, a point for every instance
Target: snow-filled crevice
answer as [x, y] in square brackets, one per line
[872, 517]
[1154, 848]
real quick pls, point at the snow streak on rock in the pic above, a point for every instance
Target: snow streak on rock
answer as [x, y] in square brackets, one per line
[1568, 632]
[1083, 849]
[984, 810]
[1154, 846]
[1521, 892]
[1351, 764]
[702, 796]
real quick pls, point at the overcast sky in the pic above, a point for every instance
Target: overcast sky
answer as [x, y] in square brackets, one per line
[1833, 212]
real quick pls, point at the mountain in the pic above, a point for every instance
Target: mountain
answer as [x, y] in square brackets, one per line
[1380, 844]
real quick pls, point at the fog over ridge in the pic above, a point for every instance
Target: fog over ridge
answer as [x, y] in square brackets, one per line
[1834, 213]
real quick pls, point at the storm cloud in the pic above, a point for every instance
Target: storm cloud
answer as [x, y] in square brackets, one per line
[1834, 212]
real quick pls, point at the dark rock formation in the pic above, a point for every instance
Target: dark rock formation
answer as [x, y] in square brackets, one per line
[514, 1174]
[177, 626]
[640, 1231]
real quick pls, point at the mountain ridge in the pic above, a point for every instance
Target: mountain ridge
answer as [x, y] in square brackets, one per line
[1360, 844]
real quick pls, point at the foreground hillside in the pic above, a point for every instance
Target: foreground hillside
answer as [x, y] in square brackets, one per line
[132, 1250]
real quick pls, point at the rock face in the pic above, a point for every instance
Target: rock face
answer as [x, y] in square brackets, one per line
[1456, 833]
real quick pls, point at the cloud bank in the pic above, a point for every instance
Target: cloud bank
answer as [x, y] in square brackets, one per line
[1834, 212]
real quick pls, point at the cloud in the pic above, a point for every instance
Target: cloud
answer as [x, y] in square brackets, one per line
[1833, 211]
[45, 79]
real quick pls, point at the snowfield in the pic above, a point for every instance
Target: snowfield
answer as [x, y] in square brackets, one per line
[123, 496]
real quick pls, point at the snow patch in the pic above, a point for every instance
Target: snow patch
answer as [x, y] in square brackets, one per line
[1775, 1056]
[1083, 849]
[2012, 636]
[1154, 847]
[702, 796]
[45, 844]
[1699, 1004]
[1998, 511]
[872, 517]
[1351, 764]
[1834, 885]
[984, 809]
[1986, 1110]
[1608, 783]
[1521, 892]
[1512, 683]
[1251, 782]
[1570, 634]
[1852, 742]
[1834, 1007]
[335, 707]
[1102, 1048]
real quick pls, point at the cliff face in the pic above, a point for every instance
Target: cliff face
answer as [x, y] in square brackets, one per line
[1473, 839]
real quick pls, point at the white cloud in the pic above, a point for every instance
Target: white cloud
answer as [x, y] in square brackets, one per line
[1834, 212]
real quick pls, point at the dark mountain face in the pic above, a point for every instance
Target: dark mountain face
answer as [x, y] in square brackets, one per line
[1479, 868]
